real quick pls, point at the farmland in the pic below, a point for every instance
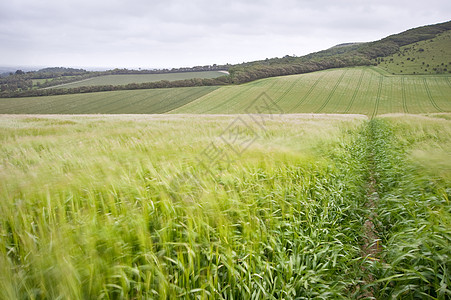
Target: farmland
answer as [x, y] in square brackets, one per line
[322, 176]
[141, 78]
[366, 90]
[137, 206]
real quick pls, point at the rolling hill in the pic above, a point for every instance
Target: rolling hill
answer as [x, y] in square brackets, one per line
[365, 90]
[353, 54]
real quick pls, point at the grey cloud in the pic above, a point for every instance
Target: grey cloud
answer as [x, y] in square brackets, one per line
[122, 33]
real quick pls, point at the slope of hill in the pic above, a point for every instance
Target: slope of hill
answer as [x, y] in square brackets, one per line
[364, 90]
[432, 56]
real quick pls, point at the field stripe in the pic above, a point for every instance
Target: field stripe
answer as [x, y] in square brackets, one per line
[404, 96]
[332, 92]
[295, 82]
[426, 86]
[306, 95]
[132, 102]
[196, 102]
[225, 102]
[105, 104]
[99, 105]
[270, 91]
[378, 97]
[355, 92]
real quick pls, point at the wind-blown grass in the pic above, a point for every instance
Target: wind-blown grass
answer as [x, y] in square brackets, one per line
[124, 207]
[101, 208]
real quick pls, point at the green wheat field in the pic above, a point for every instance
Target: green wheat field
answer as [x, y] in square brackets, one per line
[231, 206]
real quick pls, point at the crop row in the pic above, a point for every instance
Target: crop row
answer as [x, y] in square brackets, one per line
[356, 90]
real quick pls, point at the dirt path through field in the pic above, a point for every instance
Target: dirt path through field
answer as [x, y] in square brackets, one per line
[371, 247]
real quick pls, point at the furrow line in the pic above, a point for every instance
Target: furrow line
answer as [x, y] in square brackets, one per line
[332, 92]
[287, 91]
[404, 96]
[378, 97]
[167, 108]
[306, 95]
[211, 110]
[354, 96]
[428, 91]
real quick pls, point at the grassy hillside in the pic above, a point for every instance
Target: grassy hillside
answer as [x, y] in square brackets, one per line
[365, 90]
[425, 57]
[335, 57]
[155, 101]
[141, 78]
[351, 90]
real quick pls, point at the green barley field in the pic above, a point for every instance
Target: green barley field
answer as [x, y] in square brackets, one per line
[232, 206]
[364, 90]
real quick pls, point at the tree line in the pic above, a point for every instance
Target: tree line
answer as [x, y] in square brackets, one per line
[20, 84]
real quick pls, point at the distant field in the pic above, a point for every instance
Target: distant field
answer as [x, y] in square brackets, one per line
[369, 91]
[425, 57]
[141, 78]
[363, 90]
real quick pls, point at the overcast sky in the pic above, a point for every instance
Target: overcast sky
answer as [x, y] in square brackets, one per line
[174, 33]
